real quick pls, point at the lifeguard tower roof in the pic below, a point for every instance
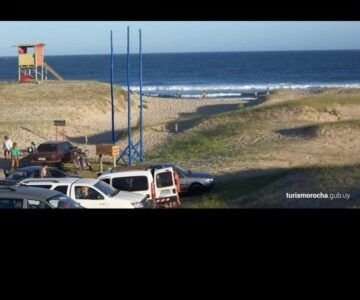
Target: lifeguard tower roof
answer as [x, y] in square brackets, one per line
[29, 45]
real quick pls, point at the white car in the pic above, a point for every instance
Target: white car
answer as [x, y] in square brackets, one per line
[159, 185]
[100, 194]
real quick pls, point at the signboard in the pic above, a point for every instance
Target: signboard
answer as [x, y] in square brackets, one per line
[108, 149]
[59, 122]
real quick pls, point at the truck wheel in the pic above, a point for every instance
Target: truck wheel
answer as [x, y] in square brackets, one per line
[196, 189]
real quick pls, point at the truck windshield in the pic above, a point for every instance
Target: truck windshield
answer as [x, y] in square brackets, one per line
[107, 189]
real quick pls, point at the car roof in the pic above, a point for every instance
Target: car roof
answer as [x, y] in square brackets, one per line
[66, 180]
[54, 142]
[62, 180]
[28, 191]
[121, 168]
[165, 165]
[87, 180]
[32, 168]
[130, 172]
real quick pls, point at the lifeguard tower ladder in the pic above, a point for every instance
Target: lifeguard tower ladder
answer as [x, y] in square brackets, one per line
[32, 66]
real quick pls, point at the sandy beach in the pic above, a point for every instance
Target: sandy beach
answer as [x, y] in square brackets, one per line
[86, 107]
[159, 119]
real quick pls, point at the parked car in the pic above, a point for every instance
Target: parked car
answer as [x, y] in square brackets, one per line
[54, 153]
[34, 172]
[100, 194]
[159, 185]
[192, 182]
[33, 198]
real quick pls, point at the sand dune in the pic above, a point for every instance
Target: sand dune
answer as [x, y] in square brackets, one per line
[28, 111]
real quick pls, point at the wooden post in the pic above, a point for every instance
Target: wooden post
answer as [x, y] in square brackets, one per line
[114, 161]
[100, 161]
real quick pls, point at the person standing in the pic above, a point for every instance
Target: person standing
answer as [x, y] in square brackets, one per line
[33, 147]
[15, 156]
[7, 146]
[43, 171]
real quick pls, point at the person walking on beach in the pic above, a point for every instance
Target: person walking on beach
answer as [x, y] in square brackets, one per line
[7, 146]
[177, 95]
[15, 156]
[203, 95]
[43, 171]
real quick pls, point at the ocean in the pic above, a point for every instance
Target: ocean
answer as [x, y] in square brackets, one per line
[220, 74]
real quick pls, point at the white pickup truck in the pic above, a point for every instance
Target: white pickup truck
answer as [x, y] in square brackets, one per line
[90, 193]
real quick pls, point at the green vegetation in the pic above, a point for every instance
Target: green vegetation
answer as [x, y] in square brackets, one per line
[257, 136]
[320, 101]
[225, 191]
[269, 190]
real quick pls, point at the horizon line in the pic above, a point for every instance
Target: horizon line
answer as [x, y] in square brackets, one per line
[191, 52]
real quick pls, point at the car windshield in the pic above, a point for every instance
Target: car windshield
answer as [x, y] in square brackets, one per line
[47, 148]
[182, 170]
[62, 201]
[107, 189]
[17, 175]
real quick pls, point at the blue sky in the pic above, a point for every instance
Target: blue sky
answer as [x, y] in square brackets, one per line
[81, 37]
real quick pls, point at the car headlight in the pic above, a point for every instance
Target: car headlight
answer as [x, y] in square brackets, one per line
[208, 180]
[137, 204]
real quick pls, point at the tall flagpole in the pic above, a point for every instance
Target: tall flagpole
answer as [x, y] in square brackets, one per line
[112, 90]
[128, 95]
[141, 100]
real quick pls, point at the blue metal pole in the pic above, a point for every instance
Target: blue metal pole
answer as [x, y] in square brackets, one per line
[141, 100]
[128, 93]
[112, 90]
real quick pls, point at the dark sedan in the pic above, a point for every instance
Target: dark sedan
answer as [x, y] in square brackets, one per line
[54, 153]
[34, 172]
[193, 182]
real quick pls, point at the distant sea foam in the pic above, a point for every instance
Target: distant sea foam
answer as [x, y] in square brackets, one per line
[233, 91]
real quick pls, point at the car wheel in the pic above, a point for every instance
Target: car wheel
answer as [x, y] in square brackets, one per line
[196, 189]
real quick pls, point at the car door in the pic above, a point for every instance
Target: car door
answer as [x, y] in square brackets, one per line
[164, 183]
[184, 181]
[11, 203]
[95, 199]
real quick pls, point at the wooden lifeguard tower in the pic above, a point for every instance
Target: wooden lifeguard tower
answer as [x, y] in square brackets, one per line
[32, 66]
